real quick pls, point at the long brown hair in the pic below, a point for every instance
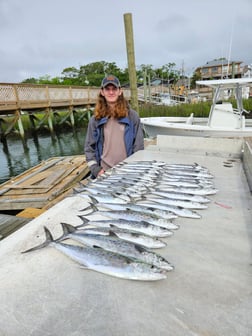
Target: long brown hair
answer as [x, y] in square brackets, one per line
[102, 109]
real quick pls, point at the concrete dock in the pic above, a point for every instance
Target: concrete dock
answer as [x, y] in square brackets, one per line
[208, 293]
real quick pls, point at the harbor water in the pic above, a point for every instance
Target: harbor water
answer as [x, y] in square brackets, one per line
[15, 157]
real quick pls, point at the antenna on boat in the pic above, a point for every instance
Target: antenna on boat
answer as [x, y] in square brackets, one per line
[230, 48]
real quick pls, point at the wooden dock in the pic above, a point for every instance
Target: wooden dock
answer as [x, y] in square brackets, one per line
[38, 189]
[43, 185]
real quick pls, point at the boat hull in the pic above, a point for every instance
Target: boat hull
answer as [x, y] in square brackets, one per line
[154, 126]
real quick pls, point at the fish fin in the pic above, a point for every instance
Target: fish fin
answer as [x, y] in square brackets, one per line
[144, 222]
[96, 246]
[49, 239]
[112, 234]
[140, 248]
[113, 226]
[149, 188]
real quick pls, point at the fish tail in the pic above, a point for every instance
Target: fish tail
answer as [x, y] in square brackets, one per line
[67, 228]
[49, 239]
[93, 199]
[87, 208]
[85, 222]
[91, 207]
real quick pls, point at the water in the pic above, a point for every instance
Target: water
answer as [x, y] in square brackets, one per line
[15, 158]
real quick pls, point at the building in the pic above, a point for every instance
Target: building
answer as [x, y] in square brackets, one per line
[219, 69]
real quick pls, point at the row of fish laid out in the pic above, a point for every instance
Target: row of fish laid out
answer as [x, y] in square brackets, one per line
[147, 185]
[136, 204]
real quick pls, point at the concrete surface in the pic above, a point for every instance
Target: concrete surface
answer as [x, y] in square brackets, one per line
[208, 293]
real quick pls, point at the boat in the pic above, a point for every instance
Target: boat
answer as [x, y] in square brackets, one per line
[223, 121]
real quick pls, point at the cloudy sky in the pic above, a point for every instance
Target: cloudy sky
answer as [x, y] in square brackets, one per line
[41, 38]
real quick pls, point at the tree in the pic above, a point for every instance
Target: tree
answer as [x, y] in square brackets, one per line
[92, 74]
[196, 76]
[31, 80]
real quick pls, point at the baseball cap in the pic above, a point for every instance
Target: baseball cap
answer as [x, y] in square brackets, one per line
[110, 79]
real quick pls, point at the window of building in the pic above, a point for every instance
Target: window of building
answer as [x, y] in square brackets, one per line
[204, 71]
[225, 68]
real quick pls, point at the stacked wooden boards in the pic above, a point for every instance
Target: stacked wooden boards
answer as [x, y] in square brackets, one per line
[41, 186]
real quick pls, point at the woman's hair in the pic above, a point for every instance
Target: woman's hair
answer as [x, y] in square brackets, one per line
[102, 109]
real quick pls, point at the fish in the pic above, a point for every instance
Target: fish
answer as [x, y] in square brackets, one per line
[134, 237]
[190, 174]
[182, 212]
[178, 166]
[137, 207]
[181, 182]
[105, 262]
[115, 245]
[98, 192]
[145, 162]
[140, 217]
[107, 198]
[186, 204]
[178, 183]
[193, 191]
[174, 195]
[134, 226]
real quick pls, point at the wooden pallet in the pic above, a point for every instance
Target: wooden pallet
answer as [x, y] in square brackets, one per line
[43, 185]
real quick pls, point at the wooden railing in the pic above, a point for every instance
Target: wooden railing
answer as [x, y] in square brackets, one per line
[31, 97]
[18, 99]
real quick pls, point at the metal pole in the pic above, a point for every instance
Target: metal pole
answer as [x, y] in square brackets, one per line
[145, 85]
[131, 59]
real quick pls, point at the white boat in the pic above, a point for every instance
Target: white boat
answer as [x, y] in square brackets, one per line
[224, 120]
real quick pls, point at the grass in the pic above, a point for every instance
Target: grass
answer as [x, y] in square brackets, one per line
[181, 110]
[199, 110]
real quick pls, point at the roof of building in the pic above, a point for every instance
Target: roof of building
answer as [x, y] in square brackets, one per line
[216, 62]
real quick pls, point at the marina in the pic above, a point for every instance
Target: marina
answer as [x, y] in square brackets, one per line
[208, 292]
[161, 243]
[224, 119]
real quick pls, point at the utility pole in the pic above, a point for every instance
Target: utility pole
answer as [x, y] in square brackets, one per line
[131, 60]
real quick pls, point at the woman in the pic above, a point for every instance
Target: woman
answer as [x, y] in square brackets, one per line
[114, 131]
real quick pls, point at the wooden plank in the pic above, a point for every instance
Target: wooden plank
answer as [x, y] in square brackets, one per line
[30, 172]
[37, 181]
[30, 213]
[68, 190]
[45, 186]
[63, 170]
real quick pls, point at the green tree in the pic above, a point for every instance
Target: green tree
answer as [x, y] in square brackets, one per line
[196, 76]
[31, 80]
[92, 74]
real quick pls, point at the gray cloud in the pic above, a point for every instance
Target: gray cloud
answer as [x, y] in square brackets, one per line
[40, 38]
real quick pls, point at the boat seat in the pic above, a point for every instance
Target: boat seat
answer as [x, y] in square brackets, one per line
[223, 115]
[189, 120]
